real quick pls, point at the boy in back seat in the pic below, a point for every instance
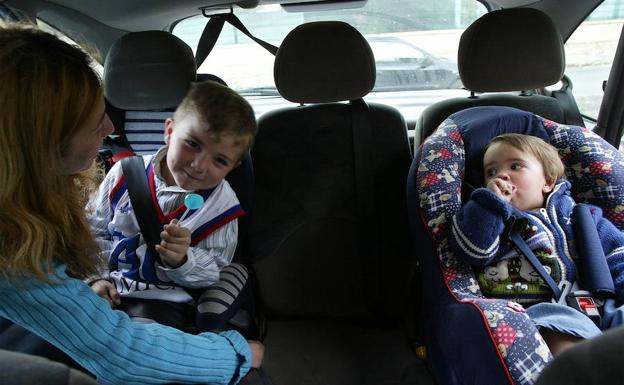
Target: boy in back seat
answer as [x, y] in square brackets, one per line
[211, 131]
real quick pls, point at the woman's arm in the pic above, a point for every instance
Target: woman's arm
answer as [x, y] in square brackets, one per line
[115, 349]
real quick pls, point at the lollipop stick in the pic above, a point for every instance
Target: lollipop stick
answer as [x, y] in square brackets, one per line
[184, 215]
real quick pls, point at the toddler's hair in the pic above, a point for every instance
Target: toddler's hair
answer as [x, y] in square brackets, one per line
[545, 153]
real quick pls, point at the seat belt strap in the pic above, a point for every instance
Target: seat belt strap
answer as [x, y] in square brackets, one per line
[141, 198]
[515, 229]
[571, 112]
[208, 38]
[236, 23]
[367, 226]
[213, 29]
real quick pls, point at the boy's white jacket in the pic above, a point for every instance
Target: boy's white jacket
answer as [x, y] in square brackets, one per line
[134, 271]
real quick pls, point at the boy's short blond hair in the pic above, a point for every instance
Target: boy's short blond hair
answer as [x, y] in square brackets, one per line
[224, 111]
[544, 152]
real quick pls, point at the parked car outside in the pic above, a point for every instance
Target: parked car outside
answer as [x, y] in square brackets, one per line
[402, 66]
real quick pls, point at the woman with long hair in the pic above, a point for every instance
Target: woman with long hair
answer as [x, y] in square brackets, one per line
[52, 123]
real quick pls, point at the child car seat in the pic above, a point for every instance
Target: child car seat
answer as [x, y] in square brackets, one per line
[470, 338]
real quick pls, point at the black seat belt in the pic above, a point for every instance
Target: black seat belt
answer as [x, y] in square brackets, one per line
[140, 197]
[571, 112]
[208, 38]
[177, 315]
[213, 29]
[367, 226]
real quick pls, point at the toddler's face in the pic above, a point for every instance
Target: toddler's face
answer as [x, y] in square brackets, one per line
[515, 176]
[196, 160]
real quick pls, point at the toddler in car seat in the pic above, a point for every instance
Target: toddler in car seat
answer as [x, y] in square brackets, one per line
[523, 179]
[211, 131]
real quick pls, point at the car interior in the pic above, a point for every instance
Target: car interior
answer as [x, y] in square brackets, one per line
[345, 232]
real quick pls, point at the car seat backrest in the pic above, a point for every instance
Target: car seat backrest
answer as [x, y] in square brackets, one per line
[146, 75]
[305, 237]
[515, 49]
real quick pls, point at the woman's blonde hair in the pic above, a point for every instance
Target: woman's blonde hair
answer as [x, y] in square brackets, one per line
[47, 92]
[544, 152]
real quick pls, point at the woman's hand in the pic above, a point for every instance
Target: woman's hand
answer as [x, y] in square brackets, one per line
[257, 353]
[174, 242]
[106, 290]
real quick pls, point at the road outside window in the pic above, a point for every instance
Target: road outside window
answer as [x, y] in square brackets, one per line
[589, 55]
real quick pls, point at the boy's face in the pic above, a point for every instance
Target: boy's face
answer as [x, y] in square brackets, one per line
[195, 159]
[517, 175]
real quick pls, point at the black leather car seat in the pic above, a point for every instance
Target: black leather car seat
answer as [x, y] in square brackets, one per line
[329, 238]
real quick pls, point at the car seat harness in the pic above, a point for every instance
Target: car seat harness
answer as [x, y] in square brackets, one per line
[595, 275]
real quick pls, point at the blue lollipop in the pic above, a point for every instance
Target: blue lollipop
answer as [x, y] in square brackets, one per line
[192, 202]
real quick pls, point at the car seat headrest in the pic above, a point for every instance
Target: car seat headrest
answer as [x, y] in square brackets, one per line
[511, 50]
[479, 125]
[148, 70]
[324, 62]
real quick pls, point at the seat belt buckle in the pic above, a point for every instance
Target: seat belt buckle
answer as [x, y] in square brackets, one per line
[566, 288]
[583, 301]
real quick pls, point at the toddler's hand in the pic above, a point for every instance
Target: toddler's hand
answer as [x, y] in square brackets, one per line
[106, 290]
[175, 241]
[501, 188]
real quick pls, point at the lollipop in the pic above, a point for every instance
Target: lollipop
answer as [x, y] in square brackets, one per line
[192, 202]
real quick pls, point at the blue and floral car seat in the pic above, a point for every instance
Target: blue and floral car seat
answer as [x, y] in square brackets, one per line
[471, 339]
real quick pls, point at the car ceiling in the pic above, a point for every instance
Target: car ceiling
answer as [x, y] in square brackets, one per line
[102, 22]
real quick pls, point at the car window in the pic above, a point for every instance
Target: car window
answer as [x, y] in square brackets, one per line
[395, 50]
[414, 43]
[589, 55]
[96, 64]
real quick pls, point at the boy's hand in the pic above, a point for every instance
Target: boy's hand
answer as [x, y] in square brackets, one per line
[502, 188]
[174, 242]
[106, 290]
